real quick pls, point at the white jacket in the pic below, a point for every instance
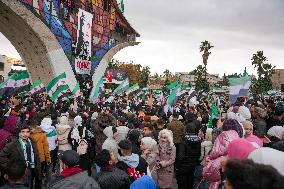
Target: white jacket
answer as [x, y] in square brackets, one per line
[110, 143]
[50, 131]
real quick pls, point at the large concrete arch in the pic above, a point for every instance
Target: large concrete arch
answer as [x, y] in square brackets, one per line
[36, 44]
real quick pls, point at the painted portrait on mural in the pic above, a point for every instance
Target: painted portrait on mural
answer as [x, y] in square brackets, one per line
[61, 16]
[83, 50]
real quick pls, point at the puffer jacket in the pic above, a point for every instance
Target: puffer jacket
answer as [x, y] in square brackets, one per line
[211, 170]
[77, 181]
[113, 179]
[39, 138]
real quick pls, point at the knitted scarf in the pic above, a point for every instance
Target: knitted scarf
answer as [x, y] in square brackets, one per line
[30, 163]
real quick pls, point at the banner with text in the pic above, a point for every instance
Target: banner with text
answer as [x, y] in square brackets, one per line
[83, 49]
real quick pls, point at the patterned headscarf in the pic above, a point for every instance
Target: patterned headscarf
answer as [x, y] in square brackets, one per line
[231, 124]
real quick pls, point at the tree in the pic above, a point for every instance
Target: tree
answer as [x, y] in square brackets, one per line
[225, 81]
[136, 73]
[114, 64]
[264, 71]
[168, 75]
[145, 73]
[133, 71]
[204, 48]
[201, 83]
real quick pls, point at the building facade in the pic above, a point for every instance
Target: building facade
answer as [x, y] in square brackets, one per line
[7, 65]
[188, 78]
[278, 79]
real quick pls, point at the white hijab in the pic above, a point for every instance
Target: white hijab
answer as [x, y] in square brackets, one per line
[276, 131]
[269, 156]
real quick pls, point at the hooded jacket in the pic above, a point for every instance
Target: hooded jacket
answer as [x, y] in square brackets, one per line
[122, 132]
[133, 165]
[39, 138]
[211, 169]
[63, 130]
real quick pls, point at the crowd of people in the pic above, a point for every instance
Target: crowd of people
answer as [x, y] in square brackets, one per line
[141, 144]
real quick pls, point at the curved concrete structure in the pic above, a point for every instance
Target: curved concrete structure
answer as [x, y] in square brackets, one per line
[38, 47]
[44, 32]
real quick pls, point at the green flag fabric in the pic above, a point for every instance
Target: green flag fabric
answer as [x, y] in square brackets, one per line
[59, 92]
[173, 96]
[214, 113]
[57, 86]
[97, 90]
[172, 85]
[36, 87]
[76, 91]
[122, 87]
[132, 89]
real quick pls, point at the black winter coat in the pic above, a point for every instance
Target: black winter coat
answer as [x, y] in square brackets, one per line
[189, 151]
[113, 179]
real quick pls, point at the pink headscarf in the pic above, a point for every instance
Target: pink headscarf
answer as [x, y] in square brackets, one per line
[255, 141]
[240, 149]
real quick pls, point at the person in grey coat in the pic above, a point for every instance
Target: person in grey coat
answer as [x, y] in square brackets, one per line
[72, 176]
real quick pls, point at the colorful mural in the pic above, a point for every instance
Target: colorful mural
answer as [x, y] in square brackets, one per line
[109, 25]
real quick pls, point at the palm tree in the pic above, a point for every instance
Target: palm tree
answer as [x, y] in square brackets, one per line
[264, 71]
[259, 62]
[205, 47]
[167, 74]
